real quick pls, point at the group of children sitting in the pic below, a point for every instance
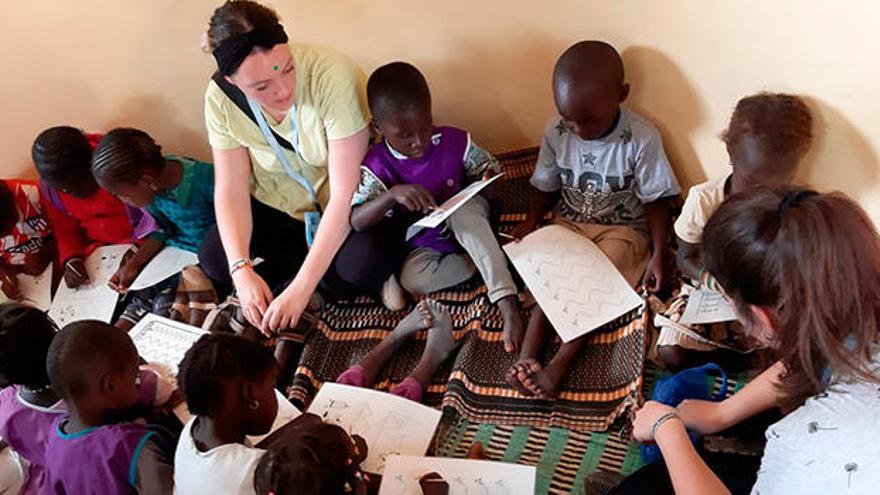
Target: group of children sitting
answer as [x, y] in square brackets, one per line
[81, 392]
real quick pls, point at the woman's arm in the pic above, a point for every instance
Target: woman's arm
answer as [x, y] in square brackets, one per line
[756, 397]
[689, 474]
[232, 205]
[344, 160]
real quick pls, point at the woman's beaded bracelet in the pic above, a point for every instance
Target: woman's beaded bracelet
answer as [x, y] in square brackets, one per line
[239, 264]
[662, 419]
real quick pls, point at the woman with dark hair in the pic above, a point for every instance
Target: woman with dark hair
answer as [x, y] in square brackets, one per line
[802, 270]
[287, 124]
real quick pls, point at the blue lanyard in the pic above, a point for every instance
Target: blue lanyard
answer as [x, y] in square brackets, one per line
[282, 157]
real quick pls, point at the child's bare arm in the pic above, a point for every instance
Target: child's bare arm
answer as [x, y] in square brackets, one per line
[134, 262]
[9, 282]
[759, 395]
[412, 196]
[660, 226]
[155, 472]
[689, 259]
[539, 205]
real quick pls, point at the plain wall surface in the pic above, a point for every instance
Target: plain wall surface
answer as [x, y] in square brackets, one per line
[101, 63]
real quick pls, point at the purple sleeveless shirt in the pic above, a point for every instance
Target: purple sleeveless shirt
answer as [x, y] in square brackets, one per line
[27, 429]
[95, 461]
[440, 170]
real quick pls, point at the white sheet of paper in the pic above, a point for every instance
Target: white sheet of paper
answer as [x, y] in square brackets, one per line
[35, 290]
[95, 301]
[442, 212]
[706, 306]
[390, 424]
[170, 261]
[464, 476]
[164, 341]
[576, 285]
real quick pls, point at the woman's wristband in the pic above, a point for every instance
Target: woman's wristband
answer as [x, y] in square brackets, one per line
[239, 264]
[662, 419]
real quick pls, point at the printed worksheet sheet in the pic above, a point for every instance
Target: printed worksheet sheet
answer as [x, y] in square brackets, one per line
[164, 341]
[391, 425]
[170, 261]
[707, 306]
[464, 476]
[575, 284]
[444, 211]
[95, 301]
[35, 290]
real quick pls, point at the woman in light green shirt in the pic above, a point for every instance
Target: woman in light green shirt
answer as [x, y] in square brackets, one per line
[312, 98]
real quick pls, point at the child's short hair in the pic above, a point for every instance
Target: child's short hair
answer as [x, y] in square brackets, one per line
[212, 361]
[25, 336]
[62, 154]
[396, 87]
[781, 123]
[124, 154]
[317, 458]
[80, 349]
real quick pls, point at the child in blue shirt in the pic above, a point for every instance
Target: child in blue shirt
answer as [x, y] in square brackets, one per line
[178, 192]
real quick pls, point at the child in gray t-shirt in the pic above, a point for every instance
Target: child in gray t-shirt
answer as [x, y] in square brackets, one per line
[603, 172]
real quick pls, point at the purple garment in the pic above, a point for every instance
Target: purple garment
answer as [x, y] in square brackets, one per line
[440, 170]
[26, 429]
[95, 461]
[142, 223]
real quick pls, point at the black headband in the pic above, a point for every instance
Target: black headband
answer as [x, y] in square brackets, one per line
[794, 198]
[232, 52]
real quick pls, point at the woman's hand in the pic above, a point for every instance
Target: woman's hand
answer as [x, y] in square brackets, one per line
[253, 294]
[645, 419]
[285, 310]
[703, 416]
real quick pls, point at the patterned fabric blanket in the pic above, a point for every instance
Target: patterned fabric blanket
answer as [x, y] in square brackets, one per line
[602, 384]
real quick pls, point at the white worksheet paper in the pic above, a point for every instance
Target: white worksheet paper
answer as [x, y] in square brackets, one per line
[391, 425]
[164, 341]
[170, 261]
[95, 301]
[464, 476]
[575, 284]
[35, 290]
[707, 306]
[444, 211]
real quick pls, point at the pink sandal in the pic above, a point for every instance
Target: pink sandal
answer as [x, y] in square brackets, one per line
[353, 376]
[409, 388]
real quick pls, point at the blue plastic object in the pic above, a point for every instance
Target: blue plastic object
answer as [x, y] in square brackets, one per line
[687, 384]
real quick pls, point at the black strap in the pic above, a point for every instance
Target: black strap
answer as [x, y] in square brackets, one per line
[240, 101]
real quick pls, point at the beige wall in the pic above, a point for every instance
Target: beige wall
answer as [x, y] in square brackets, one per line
[101, 63]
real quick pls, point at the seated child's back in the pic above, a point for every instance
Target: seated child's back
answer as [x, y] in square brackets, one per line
[28, 407]
[100, 447]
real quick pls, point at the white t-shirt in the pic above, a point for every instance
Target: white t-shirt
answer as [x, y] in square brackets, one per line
[227, 469]
[701, 202]
[831, 444]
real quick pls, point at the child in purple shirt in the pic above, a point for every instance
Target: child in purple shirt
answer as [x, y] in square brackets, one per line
[28, 406]
[416, 167]
[99, 447]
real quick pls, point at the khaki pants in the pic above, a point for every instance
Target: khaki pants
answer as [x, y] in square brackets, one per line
[426, 270]
[627, 248]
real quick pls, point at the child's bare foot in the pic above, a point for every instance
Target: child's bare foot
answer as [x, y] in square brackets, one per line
[521, 370]
[513, 323]
[440, 344]
[544, 383]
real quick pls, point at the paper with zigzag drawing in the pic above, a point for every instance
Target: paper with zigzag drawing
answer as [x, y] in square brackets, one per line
[575, 284]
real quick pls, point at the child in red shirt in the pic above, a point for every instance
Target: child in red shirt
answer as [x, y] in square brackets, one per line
[26, 243]
[83, 216]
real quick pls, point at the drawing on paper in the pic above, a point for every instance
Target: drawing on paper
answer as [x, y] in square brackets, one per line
[164, 341]
[707, 306]
[390, 425]
[575, 284]
[95, 301]
[464, 476]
